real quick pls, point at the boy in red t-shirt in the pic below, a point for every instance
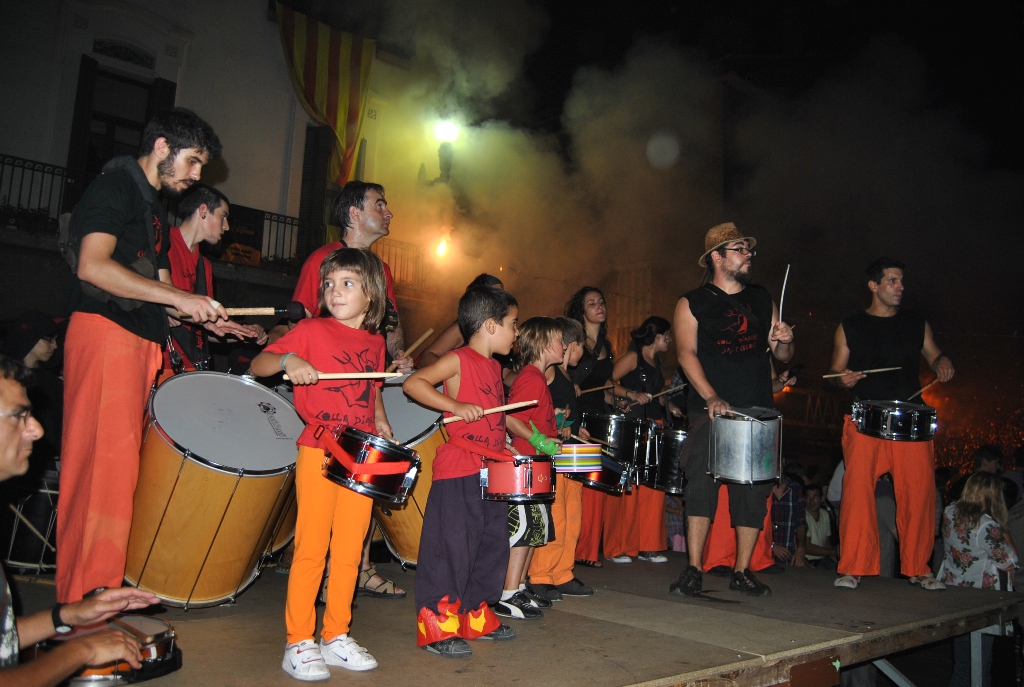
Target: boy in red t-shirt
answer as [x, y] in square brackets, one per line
[330, 517]
[464, 543]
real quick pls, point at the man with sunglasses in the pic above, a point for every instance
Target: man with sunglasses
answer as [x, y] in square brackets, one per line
[722, 330]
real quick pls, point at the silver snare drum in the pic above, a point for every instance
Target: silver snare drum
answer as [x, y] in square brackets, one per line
[895, 420]
[744, 450]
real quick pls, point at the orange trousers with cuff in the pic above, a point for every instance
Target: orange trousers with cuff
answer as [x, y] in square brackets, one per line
[720, 546]
[330, 518]
[108, 374]
[553, 563]
[912, 464]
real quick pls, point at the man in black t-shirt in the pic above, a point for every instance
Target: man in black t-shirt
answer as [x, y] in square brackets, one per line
[18, 431]
[118, 322]
[886, 336]
[722, 330]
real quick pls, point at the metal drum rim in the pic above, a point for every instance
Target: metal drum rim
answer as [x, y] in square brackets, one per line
[381, 443]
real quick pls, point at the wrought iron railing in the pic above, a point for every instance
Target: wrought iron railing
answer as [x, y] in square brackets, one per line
[407, 262]
[31, 193]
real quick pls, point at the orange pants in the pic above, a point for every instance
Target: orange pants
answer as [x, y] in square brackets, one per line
[588, 548]
[108, 374]
[553, 562]
[720, 546]
[635, 522]
[912, 464]
[330, 518]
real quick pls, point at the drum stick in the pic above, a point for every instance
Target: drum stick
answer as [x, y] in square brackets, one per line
[499, 409]
[294, 311]
[862, 372]
[749, 417]
[593, 440]
[31, 527]
[660, 393]
[782, 299]
[415, 344]
[922, 389]
[354, 375]
[597, 388]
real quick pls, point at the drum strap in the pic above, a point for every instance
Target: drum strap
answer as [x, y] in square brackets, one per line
[479, 450]
[382, 468]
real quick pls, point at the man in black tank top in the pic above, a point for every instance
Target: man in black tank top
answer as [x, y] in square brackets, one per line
[722, 330]
[879, 337]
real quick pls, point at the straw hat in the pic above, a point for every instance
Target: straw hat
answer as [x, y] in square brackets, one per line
[720, 235]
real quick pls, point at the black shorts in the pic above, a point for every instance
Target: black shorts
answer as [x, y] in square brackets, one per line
[748, 503]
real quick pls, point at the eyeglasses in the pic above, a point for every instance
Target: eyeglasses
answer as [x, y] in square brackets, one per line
[744, 251]
[20, 415]
[50, 339]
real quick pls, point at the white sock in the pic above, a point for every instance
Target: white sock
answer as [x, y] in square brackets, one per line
[522, 586]
[506, 594]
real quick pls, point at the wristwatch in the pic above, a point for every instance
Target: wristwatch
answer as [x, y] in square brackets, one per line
[61, 627]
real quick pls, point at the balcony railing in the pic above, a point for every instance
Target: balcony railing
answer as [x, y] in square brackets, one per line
[407, 262]
[30, 194]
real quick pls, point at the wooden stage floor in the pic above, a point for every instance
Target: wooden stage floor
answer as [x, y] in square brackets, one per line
[631, 632]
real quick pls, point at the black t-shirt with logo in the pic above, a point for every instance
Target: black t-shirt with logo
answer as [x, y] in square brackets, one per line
[121, 202]
[732, 340]
[876, 342]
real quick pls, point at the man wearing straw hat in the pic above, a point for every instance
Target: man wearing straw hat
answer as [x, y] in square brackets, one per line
[884, 336]
[722, 329]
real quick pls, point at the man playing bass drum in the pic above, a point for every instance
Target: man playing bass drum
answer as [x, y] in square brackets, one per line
[886, 336]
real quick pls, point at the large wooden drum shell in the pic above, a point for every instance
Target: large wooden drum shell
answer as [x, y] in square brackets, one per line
[198, 532]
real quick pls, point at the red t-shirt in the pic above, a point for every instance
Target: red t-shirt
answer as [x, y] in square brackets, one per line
[307, 289]
[184, 270]
[530, 384]
[479, 383]
[334, 347]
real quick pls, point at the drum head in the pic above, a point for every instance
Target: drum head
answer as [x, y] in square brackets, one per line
[410, 421]
[152, 627]
[227, 421]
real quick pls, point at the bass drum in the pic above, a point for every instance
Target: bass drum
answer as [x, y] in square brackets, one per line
[217, 464]
[417, 427]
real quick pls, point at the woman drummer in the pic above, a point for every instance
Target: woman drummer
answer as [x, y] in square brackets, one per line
[635, 523]
[594, 369]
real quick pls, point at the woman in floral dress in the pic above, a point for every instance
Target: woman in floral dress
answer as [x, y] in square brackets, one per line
[978, 553]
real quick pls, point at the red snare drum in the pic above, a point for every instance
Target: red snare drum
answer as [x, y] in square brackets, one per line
[391, 468]
[524, 479]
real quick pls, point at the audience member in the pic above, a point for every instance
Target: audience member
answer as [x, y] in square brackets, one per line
[789, 522]
[1016, 475]
[987, 458]
[675, 522]
[819, 549]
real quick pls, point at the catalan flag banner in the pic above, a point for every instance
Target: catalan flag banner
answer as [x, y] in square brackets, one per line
[330, 70]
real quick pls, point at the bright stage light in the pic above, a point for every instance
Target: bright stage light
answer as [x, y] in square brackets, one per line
[446, 132]
[442, 247]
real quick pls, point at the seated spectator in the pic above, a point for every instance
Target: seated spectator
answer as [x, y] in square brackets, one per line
[978, 555]
[988, 458]
[18, 431]
[789, 522]
[1016, 475]
[675, 523]
[820, 552]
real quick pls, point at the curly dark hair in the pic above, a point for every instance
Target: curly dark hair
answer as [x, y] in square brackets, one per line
[575, 309]
[182, 129]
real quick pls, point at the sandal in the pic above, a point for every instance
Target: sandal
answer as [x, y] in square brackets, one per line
[589, 564]
[928, 582]
[384, 590]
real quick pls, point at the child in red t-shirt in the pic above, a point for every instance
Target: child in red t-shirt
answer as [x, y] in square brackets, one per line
[330, 517]
[464, 542]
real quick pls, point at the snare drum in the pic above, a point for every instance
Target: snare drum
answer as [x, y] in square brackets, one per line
[417, 427]
[626, 436]
[216, 467]
[524, 479]
[157, 644]
[362, 448]
[745, 450]
[670, 473]
[578, 458]
[895, 420]
[612, 477]
[649, 457]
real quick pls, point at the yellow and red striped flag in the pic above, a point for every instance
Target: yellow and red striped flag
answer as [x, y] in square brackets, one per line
[330, 70]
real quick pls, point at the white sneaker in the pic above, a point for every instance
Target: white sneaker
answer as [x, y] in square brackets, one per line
[343, 651]
[303, 661]
[848, 581]
[621, 559]
[652, 557]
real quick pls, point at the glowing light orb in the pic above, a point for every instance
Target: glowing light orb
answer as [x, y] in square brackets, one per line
[446, 132]
[442, 247]
[663, 149]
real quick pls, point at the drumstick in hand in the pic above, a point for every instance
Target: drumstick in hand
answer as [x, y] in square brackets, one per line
[415, 344]
[922, 389]
[862, 372]
[593, 440]
[355, 375]
[660, 393]
[597, 388]
[499, 409]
